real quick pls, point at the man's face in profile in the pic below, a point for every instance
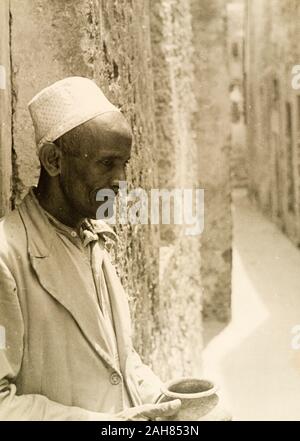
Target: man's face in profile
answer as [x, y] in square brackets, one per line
[99, 162]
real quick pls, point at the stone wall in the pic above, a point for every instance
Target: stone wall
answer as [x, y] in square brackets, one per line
[212, 127]
[235, 51]
[175, 107]
[273, 109]
[5, 111]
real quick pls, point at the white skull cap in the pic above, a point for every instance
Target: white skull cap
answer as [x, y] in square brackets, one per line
[64, 105]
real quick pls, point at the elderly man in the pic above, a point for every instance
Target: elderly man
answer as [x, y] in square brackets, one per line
[68, 353]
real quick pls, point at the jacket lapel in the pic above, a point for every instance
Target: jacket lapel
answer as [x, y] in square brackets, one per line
[61, 280]
[122, 321]
[120, 309]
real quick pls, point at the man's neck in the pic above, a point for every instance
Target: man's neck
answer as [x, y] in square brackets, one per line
[53, 201]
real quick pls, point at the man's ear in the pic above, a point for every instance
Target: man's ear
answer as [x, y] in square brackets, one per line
[50, 157]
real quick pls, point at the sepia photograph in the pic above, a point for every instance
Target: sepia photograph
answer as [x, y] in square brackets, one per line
[149, 213]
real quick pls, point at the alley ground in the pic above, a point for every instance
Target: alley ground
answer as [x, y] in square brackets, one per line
[252, 358]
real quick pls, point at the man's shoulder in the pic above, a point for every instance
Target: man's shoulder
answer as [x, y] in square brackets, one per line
[12, 233]
[10, 223]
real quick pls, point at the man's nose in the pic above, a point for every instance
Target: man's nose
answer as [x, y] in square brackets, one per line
[118, 176]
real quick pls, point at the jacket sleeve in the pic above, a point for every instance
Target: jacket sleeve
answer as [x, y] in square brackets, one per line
[149, 384]
[31, 407]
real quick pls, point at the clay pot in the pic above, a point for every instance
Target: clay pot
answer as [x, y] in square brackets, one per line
[199, 400]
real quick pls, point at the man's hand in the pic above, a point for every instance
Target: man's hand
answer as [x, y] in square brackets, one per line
[148, 412]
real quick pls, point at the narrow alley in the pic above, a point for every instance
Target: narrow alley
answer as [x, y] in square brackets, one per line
[252, 360]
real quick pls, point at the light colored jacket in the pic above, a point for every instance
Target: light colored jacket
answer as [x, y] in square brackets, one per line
[55, 364]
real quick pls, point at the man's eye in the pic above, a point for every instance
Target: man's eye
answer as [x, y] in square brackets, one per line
[106, 162]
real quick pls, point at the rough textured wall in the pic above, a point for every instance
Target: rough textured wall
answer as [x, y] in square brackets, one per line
[180, 285]
[235, 51]
[110, 41]
[273, 110]
[212, 127]
[5, 110]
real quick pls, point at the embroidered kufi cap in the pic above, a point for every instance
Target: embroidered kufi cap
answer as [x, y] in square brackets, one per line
[64, 105]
